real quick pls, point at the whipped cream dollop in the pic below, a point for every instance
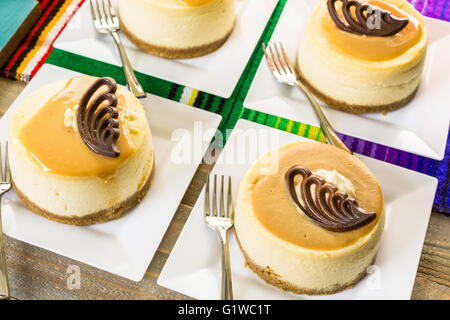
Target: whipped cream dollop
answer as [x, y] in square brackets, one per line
[70, 118]
[332, 176]
[135, 125]
[342, 183]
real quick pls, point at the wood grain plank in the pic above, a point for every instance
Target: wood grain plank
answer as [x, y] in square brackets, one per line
[427, 290]
[195, 187]
[9, 90]
[174, 229]
[433, 274]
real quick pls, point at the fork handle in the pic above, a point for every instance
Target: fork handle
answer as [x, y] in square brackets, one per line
[227, 288]
[4, 286]
[132, 82]
[328, 131]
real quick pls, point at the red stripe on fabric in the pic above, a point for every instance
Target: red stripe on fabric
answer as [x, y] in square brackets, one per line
[30, 36]
[43, 3]
[50, 48]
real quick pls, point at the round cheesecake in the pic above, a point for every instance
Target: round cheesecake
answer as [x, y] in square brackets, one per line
[374, 67]
[177, 29]
[289, 248]
[60, 173]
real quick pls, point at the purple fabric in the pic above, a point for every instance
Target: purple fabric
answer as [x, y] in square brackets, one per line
[439, 9]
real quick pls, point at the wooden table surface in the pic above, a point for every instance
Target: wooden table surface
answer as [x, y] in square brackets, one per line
[35, 273]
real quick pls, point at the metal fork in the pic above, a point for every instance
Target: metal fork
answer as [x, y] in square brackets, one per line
[284, 72]
[5, 185]
[221, 220]
[106, 21]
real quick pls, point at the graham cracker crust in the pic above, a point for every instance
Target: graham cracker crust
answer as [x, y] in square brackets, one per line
[270, 277]
[174, 53]
[101, 216]
[354, 108]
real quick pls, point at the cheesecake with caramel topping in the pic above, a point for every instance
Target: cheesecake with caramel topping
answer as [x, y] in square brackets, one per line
[363, 56]
[80, 151]
[313, 225]
[177, 29]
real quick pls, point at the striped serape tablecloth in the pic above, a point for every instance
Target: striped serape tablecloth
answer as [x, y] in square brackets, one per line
[37, 45]
[232, 109]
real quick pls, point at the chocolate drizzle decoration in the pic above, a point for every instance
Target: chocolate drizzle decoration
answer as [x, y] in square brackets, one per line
[330, 208]
[387, 25]
[97, 121]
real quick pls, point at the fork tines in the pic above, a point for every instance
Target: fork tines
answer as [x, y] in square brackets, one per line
[104, 14]
[220, 211]
[277, 59]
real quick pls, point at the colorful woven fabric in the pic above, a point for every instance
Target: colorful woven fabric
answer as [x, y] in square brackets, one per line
[35, 48]
[232, 109]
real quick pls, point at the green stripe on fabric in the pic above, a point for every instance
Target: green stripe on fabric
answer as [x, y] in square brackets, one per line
[298, 128]
[175, 92]
[320, 136]
[240, 92]
[96, 68]
[283, 124]
[247, 114]
[306, 132]
[289, 126]
[204, 101]
[178, 94]
[209, 102]
[295, 127]
[313, 132]
[215, 105]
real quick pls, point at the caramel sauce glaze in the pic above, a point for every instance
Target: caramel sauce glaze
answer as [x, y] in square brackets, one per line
[60, 149]
[375, 48]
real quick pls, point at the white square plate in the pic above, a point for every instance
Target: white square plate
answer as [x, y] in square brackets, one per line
[216, 73]
[126, 246]
[408, 199]
[421, 127]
